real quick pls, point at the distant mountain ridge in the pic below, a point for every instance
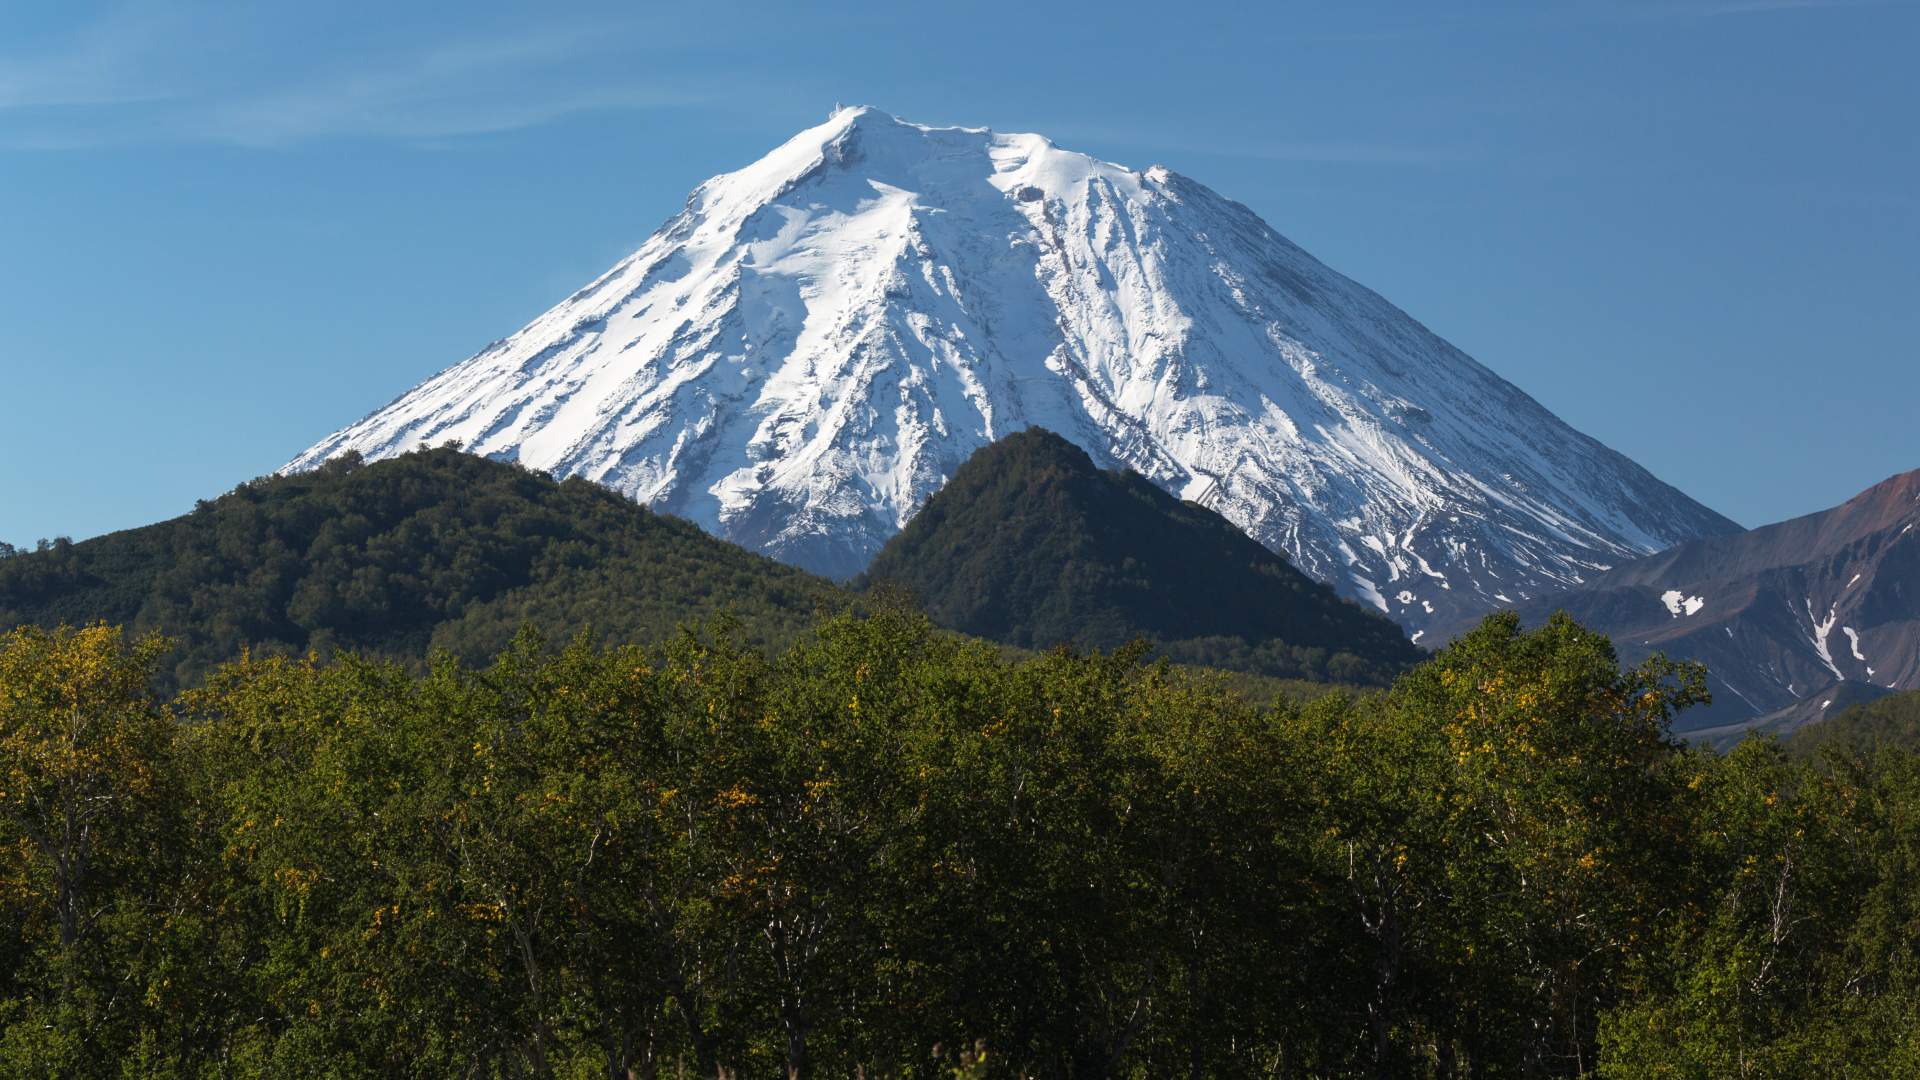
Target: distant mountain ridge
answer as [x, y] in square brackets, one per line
[1785, 617]
[816, 342]
[1034, 545]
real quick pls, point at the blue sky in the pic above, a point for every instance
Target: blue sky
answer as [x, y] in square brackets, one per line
[1687, 226]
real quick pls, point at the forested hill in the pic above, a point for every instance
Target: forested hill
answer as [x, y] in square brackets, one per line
[433, 549]
[1889, 722]
[1031, 544]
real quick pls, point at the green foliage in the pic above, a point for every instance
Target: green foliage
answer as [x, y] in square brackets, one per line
[87, 793]
[1891, 721]
[890, 851]
[1030, 544]
[1797, 952]
[433, 550]
[1505, 822]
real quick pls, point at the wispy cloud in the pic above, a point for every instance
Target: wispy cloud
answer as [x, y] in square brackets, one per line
[1346, 153]
[1384, 152]
[1708, 9]
[98, 65]
[136, 76]
[464, 88]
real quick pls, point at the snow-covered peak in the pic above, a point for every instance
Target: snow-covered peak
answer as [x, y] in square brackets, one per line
[932, 160]
[807, 350]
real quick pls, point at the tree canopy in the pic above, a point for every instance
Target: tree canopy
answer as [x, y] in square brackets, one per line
[885, 850]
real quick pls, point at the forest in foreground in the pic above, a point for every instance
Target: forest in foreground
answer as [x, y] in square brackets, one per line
[890, 851]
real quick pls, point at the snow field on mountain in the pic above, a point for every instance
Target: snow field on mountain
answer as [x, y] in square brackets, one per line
[815, 343]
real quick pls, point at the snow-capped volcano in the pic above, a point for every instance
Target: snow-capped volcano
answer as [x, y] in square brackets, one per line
[817, 341]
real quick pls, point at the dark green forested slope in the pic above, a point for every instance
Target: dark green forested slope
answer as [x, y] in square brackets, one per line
[1888, 722]
[1033, 545]
[436, 549]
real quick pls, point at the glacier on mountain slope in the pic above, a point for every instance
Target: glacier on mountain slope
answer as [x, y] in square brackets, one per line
[815, 342]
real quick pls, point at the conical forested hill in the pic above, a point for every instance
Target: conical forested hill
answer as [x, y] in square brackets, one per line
[1032, 544]
[434, 549]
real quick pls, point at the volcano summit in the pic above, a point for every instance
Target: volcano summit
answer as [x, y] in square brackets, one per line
[815, 343]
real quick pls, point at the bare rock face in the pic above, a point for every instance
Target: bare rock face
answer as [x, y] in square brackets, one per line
[816, 342]
[1792, 620]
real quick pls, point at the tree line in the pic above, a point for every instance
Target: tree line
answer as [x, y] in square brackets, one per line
[888, 851]
[434, 549]
[439, 549]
